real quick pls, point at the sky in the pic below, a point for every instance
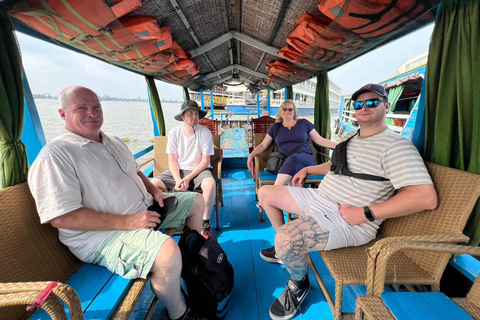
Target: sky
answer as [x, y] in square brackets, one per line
[50, 68]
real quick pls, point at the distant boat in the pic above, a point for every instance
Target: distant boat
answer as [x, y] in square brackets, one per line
[402, 114]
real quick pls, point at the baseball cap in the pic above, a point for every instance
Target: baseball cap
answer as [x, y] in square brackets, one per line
[371, 87]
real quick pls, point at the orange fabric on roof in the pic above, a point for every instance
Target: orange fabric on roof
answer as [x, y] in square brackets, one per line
[288, 71]
[372, 18]
[123, 7]
[145, 27]
[311, 32]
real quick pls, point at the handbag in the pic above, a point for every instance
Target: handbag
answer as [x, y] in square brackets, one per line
[275, 159]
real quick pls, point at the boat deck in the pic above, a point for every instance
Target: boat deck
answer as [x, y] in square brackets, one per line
[257, 282]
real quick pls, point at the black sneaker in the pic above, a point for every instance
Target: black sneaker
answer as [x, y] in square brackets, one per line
[269, 255]
[189, 315]
[206, 231]
[288, 304]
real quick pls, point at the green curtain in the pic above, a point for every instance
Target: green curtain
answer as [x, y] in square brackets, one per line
[322, 108]
[186, 95]
[156, 105]
[453, 93]
[289, 93]
[13, 162]
[393, 96]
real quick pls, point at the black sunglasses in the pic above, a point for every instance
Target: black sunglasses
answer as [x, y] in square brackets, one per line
[370, 103]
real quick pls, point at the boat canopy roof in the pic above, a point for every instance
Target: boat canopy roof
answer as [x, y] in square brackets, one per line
[202, 44]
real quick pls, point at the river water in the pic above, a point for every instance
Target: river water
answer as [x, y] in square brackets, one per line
[130, 121]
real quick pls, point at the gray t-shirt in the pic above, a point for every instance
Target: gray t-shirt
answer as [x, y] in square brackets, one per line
[386, 154]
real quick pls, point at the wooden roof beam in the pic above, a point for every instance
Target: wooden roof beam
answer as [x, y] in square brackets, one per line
[238, 36]
[235, 66]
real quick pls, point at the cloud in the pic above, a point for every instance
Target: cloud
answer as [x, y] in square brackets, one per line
[50, 68]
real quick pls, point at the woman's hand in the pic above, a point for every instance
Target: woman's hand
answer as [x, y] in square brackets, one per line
[250, 164]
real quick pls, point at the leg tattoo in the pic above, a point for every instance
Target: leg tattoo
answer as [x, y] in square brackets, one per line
[295, 240]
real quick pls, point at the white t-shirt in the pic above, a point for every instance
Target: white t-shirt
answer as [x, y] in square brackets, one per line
[190, 149]
[73, 172]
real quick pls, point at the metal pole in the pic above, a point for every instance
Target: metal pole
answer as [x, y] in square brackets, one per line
[211, 103]
[268, 102]
[203, 102]
[258, 104]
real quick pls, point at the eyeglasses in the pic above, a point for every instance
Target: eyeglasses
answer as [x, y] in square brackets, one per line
[370, 103]
[287, 109]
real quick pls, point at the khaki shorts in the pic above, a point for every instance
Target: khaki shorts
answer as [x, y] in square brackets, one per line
[131, 254]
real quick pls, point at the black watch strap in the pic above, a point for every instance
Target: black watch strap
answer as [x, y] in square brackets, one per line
[368, 214]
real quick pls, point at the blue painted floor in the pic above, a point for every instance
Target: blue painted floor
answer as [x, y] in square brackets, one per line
[234, 143]
[257, 283]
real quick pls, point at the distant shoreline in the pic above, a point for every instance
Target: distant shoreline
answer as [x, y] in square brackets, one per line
[103, 98]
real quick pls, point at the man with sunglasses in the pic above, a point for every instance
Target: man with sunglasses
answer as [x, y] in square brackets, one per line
[346, 210]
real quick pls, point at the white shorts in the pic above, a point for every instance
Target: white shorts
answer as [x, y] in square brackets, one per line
[328, 216]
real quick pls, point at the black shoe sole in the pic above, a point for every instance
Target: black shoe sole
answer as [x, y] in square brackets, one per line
[271, 260]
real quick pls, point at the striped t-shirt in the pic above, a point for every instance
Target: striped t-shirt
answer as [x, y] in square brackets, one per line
[386, 154]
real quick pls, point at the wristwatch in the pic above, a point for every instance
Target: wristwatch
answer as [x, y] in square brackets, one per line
[368, 214]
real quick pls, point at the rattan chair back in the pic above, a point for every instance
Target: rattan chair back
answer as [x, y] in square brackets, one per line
[160, 158]
[30, 251]
[457, 194]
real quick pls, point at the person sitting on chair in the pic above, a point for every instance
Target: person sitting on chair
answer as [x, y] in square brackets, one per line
[350, 204]
[189, 148]
[289, 132]
[87, 184]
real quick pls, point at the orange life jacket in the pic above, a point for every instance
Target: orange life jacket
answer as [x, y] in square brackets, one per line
[373, 18]
[321, 58]
[288, 71]
[179, 77]
[311, 32]
[148, 28]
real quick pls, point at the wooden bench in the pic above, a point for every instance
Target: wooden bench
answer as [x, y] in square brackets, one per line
[33, 257]
[458, 191]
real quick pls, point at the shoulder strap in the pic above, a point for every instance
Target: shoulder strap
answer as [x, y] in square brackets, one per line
[297, 148]
[339, 163]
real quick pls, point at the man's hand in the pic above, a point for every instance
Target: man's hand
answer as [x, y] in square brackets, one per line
[159, 196]
[143, 220]
[183, 184]
[353, 215]
[299, 177]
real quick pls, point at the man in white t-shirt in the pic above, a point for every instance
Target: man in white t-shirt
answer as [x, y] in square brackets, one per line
[189, 148]
[346, 209]
[87, 184]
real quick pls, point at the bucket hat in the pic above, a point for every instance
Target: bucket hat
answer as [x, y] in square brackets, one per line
[190, 105]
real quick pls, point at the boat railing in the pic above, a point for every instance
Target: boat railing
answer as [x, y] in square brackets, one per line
[144, 152]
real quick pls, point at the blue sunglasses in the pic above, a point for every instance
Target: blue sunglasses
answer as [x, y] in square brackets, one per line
[370, 103]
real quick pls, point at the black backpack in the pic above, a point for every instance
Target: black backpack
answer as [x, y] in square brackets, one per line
[207, 273]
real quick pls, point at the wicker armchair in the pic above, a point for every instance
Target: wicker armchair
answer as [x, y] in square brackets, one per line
[372, 306]
[458, 192]
[210, 124]
[160, 163]
[33, 257]
[260, 125]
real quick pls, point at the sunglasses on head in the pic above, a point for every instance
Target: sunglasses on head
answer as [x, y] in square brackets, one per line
[288, 109]
[370, 103]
